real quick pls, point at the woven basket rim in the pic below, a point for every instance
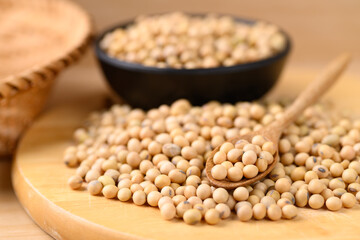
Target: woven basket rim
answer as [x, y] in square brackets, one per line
[11, 85]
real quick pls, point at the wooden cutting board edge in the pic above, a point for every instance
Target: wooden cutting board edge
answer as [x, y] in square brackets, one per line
[46, 214]
[54, 219]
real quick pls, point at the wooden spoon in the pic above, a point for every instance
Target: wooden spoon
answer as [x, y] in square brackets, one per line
[273, 132]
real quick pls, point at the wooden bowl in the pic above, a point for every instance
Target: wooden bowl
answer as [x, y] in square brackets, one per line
[149, 87]
[38, 39]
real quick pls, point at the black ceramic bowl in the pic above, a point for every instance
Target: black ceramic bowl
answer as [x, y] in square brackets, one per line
[149, 87]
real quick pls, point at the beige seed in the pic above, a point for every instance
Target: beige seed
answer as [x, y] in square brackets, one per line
[189, 191]
[274, 194]
[227, 165]
[261, 164]
[355, 165]
[75, 182]
[178, 199]
[234, 155]
[259, 211]
[299, 173]
[321, 171]
[149, 188]
[301, 197]
[327, 193]
[219, 157]
[249, 157]
[353, 187]
[283, 201]
[349, 175]
[168, 191]
[253, 199]
[106, 180]
[171, 150]
[277, 173]
[224, 210]
[153, 198]
[82, 170]
[92, 175]
[193, 200]
[219, 172]
[177, 176]
[162, 181]
[135, 187]
[110, 191]
[188, 152]
[274, 212]
[316, 186]
[310, 175]
[201, 207]
[336, 169]
[124, 194]
[212, 217]
[235, 174]
[316, 201]
[347, 152]
[267, 201]
[192, 216]
[289, 211]
[282, 185]
[250, 171]
[220, 195]
[244, 213]
[240, 204]
[226, 147]
[94, 187]
[133, 159]
[334, 203]
[163, 200]
[203, 191]
[336, 183]
[348, 200]
[168, 211]
[241, 194]
[209, 203]
[269, 147]
[139, 197]
[258, 140]
[338, 192]
[182, 207]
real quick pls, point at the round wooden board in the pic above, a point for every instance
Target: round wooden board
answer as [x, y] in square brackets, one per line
[39, 179]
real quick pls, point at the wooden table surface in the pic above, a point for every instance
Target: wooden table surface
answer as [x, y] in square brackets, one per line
[320, 30]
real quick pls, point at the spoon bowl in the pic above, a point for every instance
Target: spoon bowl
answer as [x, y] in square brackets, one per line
[244, 181]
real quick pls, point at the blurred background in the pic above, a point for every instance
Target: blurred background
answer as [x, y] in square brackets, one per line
[320, 30]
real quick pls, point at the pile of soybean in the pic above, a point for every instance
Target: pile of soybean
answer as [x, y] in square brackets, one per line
[157, 158]
[182, 41]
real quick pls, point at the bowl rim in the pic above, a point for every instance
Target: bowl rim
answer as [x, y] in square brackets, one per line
[103, 56]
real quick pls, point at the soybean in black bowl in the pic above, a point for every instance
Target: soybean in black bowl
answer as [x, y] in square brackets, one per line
[148, 87]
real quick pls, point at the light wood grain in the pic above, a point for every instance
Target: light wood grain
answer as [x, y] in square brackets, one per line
[39, 179]
[14, 222]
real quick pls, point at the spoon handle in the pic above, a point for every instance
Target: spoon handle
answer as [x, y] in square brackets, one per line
[313, 92]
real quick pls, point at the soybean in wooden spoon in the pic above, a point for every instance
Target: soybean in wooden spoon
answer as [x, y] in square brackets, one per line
[273, 132]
